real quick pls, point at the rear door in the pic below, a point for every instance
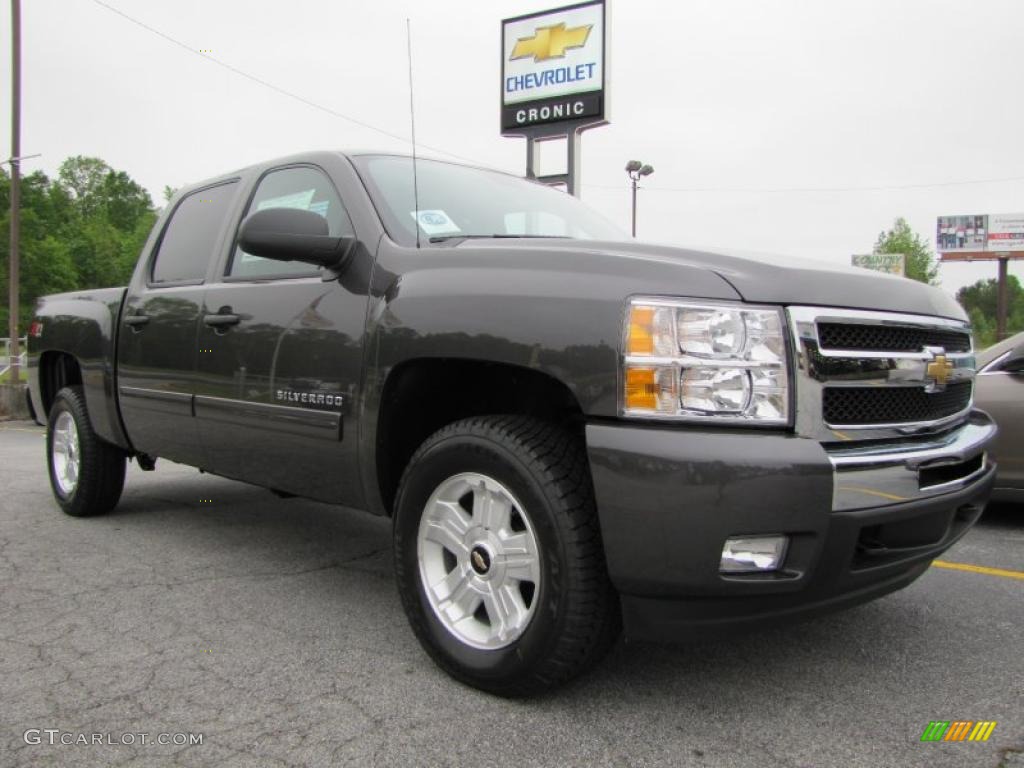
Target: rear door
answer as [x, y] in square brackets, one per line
[157, 338]
[280, 358]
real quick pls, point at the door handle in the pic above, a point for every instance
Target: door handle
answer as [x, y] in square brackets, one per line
[137, 320]
[220, 321]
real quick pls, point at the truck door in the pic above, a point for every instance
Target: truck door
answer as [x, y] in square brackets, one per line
[280, 359]
[156, 355]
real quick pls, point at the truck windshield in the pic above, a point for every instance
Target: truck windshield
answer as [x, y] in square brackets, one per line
[457, 201]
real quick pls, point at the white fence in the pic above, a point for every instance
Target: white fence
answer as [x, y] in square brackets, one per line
[5, 353]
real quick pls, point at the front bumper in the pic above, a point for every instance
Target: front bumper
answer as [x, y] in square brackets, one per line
[668, 498]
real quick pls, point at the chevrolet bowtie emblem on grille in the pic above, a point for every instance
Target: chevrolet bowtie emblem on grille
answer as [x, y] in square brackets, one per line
[938, 371]
[550, 42]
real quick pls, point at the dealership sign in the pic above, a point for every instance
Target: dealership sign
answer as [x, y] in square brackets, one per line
[553, 67]
[890, 263]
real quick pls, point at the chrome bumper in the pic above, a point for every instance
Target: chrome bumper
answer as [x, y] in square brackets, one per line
[877, 475]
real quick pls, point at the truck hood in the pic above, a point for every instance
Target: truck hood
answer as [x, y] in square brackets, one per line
[770, 279]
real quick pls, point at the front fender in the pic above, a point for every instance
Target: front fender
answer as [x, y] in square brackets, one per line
[557, 313]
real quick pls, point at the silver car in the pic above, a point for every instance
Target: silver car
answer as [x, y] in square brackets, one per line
[1000, 391]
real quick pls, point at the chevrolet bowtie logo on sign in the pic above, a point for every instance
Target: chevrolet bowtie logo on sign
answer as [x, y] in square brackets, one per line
[958, 730]
[551, 42]
[552, 68]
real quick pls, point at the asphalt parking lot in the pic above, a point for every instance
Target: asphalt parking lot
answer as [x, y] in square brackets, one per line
[272, 627]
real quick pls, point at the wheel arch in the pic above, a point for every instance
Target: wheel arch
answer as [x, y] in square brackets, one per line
[421, 396]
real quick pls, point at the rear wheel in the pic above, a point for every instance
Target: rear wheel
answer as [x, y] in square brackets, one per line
[86, 473]
[499, 557]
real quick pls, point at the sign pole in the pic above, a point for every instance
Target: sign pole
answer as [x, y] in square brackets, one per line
[573, 183]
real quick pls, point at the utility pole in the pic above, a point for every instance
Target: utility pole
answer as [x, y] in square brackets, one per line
[13, 263]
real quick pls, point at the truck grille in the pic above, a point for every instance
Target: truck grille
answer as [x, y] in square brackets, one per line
[854, 406]
[879, 375]
[887, 338]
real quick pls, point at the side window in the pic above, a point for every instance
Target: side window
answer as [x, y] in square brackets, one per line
[300, 187]
[190, 237]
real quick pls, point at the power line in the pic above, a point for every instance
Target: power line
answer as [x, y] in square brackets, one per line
[879, 188]
[275, 88]
[369, 126]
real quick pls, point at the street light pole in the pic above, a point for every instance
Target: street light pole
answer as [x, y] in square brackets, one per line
[635, 169]
[633, 218]
[13, 263]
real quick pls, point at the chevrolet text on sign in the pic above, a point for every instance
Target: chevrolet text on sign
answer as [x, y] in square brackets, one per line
[553, 66]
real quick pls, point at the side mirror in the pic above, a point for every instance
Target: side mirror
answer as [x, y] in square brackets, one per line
[292, 234]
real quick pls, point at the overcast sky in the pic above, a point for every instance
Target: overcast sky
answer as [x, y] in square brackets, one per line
[746, 109]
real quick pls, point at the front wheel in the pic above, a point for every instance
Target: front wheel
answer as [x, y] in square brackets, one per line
[86, 473]
[499, 557]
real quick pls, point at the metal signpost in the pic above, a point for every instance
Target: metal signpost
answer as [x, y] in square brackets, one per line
[995, 237]
[554, 82]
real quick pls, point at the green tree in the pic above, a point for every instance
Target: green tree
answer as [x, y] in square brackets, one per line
[83, 229]
[921, 264]
[83, 177]
[980, 301]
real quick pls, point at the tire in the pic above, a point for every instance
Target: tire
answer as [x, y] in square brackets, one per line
[511, 481]
[96, 486]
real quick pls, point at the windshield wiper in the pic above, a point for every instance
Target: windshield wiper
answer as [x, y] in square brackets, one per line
[496, 236]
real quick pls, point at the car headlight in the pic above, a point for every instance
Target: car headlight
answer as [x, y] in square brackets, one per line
[722, 363]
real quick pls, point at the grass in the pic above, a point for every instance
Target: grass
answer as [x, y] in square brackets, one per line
[5, 377]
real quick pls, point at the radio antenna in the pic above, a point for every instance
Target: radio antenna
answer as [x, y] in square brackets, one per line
[412, 120]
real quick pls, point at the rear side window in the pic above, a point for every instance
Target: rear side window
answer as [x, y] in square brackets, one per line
[296, 187]
[191, 235]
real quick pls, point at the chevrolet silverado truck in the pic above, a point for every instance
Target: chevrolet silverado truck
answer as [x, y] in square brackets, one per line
[572, 432]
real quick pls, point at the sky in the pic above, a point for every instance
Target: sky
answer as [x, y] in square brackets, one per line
[796, 127]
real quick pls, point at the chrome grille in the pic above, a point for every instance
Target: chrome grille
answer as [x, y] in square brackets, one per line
[859, 406]
[868, 375]
[888, 338]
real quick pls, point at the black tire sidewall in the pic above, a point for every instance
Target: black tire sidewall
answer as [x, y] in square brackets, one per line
[101, 466]
[455, 455]
[64, 404]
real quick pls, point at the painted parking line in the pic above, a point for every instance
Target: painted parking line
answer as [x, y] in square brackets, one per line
[1003, 572]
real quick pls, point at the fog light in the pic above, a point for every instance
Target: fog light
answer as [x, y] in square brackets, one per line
[751, 554]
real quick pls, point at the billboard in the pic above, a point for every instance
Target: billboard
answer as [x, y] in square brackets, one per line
[1005, 232]
[961, 233]
[553, 67]
[890, 263]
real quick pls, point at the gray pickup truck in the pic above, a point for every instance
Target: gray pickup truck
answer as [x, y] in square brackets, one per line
[571, 431]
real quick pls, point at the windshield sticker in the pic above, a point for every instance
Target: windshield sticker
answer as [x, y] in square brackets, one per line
[435, 222]
[299, 200]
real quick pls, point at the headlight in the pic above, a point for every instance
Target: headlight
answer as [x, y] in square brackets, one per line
[723, 363]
